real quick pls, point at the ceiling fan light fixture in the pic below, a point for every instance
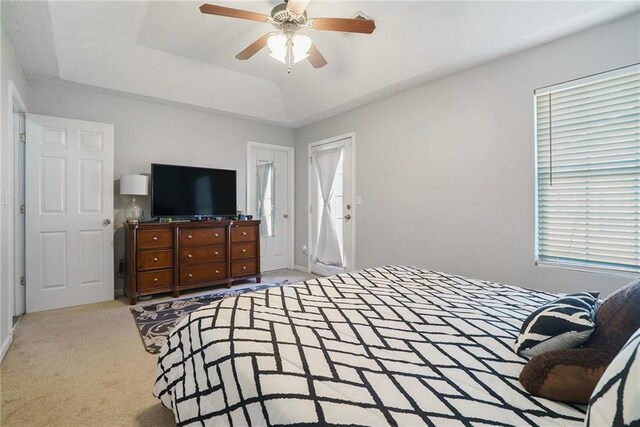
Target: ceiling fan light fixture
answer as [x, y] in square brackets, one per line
[300, 45]
[277, 44]
[289, 48]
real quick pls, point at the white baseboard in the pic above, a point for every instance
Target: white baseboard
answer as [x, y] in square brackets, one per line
[301, 268]
[5, 347]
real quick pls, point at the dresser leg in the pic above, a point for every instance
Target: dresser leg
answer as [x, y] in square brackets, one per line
[175, 293]
[133, 300]
[258, 279]
[228, 285]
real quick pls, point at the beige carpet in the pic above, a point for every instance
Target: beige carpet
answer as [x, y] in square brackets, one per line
[85, 366]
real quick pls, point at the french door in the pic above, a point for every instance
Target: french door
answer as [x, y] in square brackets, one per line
[332, 211]
[69, 206]
[270, 199]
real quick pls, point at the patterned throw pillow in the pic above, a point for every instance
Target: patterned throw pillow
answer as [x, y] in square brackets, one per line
[561, 324]
[616, 399]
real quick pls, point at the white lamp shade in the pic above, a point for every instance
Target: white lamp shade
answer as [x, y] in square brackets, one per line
[301, 46]
[277, 44]
[134, 185]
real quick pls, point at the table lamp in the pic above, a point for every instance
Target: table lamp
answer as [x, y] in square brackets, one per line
[133, 185]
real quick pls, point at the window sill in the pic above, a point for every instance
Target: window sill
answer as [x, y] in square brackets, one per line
[585, 269]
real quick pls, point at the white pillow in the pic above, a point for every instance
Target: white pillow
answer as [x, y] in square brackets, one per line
[616, 399]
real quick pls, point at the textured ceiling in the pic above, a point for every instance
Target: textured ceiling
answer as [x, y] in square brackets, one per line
[170, 51]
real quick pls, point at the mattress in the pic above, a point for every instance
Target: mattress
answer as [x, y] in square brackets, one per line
[392, 345]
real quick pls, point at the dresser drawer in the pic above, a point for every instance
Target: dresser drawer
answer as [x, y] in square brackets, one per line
[200, 254]
[243, 250]
[202, 236]
[202, 273]
[151, 239]
[243, 268]
[243, 234]
[155, 259]
[157, 280]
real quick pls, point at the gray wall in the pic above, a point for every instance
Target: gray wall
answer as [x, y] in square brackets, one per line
[446, 171]
[10, 69]
[150, 132]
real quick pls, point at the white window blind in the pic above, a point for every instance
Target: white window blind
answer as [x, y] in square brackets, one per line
[588, 171]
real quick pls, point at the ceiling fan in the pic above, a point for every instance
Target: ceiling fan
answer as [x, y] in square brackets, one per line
[287, 44]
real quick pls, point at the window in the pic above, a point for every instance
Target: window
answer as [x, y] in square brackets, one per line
[588, 171]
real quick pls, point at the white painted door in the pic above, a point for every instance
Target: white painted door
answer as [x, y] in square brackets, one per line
[270, 199]
[332, 162]
[69, 210]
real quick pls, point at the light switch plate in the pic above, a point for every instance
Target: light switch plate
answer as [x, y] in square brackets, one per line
[358, 200]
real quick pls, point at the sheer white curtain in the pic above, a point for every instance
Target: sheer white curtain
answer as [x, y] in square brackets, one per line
[327, 248]
[265, 205]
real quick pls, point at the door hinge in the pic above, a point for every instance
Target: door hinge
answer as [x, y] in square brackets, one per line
[23, 281]
[310, 159]
[23, 209]
[23, 138]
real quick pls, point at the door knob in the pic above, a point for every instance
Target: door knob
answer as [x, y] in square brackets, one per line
[285, 215]
[107, 221]
[347, 217]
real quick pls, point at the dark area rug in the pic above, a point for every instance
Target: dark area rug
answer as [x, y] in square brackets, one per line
[155, 321]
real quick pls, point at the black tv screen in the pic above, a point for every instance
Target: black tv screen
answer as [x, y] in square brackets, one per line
[184, 191]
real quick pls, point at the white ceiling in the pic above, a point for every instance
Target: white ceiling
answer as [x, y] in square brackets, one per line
[170, 51]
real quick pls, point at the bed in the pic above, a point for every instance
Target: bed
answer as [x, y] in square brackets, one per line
[391, 345]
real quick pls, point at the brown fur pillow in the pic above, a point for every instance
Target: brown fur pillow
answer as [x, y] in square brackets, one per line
[571, 375]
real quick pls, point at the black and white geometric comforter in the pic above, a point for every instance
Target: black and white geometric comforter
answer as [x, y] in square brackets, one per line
[391, 345]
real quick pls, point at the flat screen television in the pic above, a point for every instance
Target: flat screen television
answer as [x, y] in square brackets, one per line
[187, 192]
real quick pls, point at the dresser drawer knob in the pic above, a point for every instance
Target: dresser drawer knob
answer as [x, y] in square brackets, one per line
[217, 235]
[244, 233]
[189, 256]
[190, 275]
[216, 253]
[244, 250]
[217, 272]
[190, 236]
[244, 267]
[155, 259]
[155, 279]
[155, 238]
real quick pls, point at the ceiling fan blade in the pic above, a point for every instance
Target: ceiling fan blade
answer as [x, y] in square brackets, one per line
[297, 6]
[254, 47]
[316, 58]
[344, 25]
[212, 9]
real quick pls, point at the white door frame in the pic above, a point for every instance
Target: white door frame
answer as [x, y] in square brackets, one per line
[291, 153]
[16, 105]
[310, 180]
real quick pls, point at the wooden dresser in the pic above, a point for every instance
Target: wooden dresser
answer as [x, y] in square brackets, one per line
[185, 255]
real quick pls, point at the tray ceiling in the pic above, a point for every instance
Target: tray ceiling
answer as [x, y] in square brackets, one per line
[170, 51]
